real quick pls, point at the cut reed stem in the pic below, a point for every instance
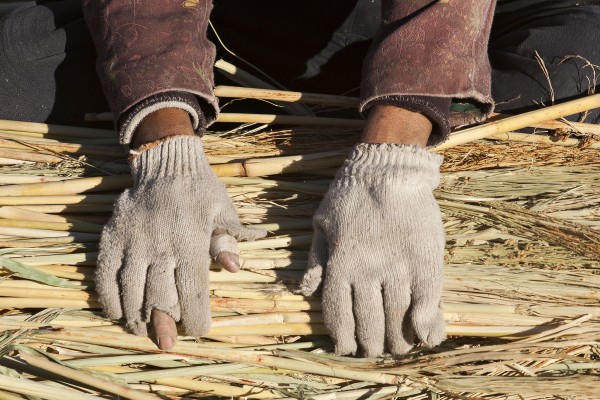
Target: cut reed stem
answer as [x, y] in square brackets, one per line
[287, 96]
[102, 385]
[291, 120]
[28, 387]
[521, 121]
[58, 130]
[72, 186]
[531, 138]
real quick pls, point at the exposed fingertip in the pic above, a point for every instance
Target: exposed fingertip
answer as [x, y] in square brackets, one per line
[165, 329]
[165, 342]
[229, 261]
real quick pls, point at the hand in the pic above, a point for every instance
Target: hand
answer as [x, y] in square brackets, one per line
[156, 250]
[377, 251]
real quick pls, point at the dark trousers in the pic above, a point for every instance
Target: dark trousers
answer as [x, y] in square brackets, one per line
[541, 52]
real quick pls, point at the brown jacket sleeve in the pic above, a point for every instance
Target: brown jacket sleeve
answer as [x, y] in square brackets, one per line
[146, 49]
[430, 48]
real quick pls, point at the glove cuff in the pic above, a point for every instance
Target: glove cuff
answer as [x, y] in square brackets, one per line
[400, 163]
[175, 156]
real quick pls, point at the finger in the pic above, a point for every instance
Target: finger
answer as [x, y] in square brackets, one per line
[229, 261]
[161, 288]
[370, 319]
[339, 317]
[243, 233]
[161, 301]
[132, 291]
[110, 261]
[398, 331]
[228, 220]
[194, 297]
[165, 329]
[317, 261]
[427, 313]
[223, 249]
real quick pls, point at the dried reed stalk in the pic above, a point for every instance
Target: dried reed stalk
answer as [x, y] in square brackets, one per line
[287, 96]
[47, 391]
[532, 301]
[12, 161]
[57, 130]
[290, 120]
[102, 385]
[521, 121]
[8, 146]
[246, 79]
[29, 156]
[531, 138]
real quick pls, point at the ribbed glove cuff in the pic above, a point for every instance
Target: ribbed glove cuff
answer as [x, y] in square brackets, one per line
[131, 119]
[179, 156]
[401, 163]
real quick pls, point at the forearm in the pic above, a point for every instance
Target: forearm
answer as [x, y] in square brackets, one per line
[390, 124]
[426, 51]
[160, 125]
[145, 52]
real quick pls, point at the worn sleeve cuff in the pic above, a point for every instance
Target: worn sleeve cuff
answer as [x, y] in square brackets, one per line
[437, 109]
[130, 119]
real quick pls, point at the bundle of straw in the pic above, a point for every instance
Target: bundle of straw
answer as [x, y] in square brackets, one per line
[521, 288]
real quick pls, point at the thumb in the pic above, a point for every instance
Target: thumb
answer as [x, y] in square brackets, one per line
[223, 249]
[243, 233]
[228, 220]
[317, 262]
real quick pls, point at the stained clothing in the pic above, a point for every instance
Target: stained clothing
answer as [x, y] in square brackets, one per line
[140, 56]
[420, 48]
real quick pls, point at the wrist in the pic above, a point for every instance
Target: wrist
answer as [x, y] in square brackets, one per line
[160, 125]
[395, 125]
[409, 165]
[171, 157]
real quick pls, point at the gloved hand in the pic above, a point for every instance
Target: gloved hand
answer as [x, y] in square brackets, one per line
[155, 251]
[378, 249]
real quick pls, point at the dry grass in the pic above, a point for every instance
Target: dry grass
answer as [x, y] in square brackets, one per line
[521, 290]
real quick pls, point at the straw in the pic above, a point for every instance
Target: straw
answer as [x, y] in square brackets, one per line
[520, 290]
[31, 388]
[521, 121]
[86, 379]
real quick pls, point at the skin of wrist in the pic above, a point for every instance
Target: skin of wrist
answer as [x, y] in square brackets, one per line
[161, 124]
[391, 124]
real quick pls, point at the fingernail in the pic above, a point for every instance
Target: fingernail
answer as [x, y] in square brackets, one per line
[165, 342]
[230, 261]
[235, 259]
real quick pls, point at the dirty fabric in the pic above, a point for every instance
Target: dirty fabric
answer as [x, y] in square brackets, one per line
[430, 48]
[138, 55]
[146, 48]
[47, 55]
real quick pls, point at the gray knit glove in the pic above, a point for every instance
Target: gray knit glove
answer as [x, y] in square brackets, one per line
[154, 251]
[378, 251]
